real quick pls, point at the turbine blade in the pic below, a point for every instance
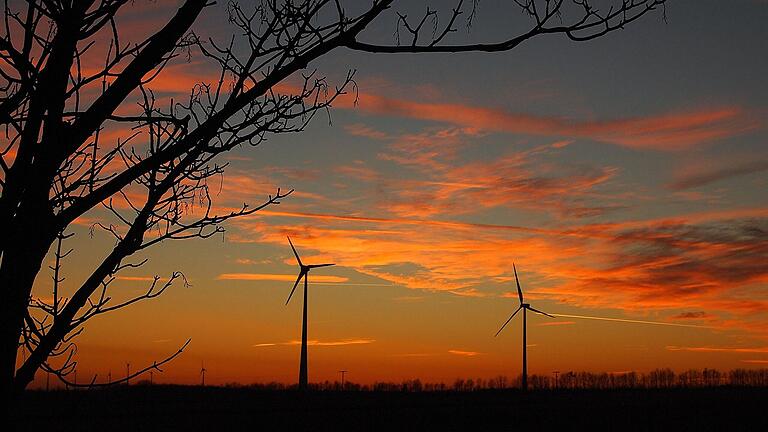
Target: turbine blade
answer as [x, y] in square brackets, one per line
[508, 320]
[319, 265]
[294, 287]
[539, 312]
[519, 290]
[294, 252]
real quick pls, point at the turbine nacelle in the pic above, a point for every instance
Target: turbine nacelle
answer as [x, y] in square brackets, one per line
[306, 268]
[523, 304]
[303, 270]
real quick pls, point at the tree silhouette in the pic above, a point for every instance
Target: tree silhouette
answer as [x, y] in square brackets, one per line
[69, 73]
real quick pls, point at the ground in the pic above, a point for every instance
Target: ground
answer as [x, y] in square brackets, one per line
[140, 408]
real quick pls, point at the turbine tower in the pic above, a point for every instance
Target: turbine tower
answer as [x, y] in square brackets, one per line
[525, 307]
[303, 273]
[202, 374]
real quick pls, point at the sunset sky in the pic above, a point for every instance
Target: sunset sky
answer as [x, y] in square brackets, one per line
[625, 177]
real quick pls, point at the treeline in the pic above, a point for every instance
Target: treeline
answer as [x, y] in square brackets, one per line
[657, 378]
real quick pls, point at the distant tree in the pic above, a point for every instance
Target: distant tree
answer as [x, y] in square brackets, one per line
[499, 382]
[628, 380]
[480, 384]
[458, 385]
[538, 382]
[661, 378]
[739, 377]
[68, 73]
[712, 377]
[469, 385]
[690, 378]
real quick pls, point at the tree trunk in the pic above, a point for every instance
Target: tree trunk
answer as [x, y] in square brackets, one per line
[27, 242]
[21, 263]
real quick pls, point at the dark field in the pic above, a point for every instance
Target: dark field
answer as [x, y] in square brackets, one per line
[194, 408]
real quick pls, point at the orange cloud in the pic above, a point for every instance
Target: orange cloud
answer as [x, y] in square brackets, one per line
[506, 181]
[464, 353]
[359, 171]
[702, 261]
[671, 131]
[359, 129]
[693, 315]
[248, 261]
[719, 349]
[278, 277]
[342, 342]
[470, 292]
[699, 261]
[409, 221]
[668, 265]
[702, 176]
[240, 186]
[447, 183]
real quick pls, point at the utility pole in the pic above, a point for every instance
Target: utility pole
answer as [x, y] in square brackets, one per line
[343, 373]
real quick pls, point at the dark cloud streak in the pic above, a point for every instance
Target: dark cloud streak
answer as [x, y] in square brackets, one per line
[722, 173]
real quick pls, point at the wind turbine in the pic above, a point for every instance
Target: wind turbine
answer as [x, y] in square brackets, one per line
[202, 374]
[525, 307]
[303, 273]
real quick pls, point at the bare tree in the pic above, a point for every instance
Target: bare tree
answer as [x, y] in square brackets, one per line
[58, 96]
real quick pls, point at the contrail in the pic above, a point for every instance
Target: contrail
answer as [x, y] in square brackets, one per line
[632, 321]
